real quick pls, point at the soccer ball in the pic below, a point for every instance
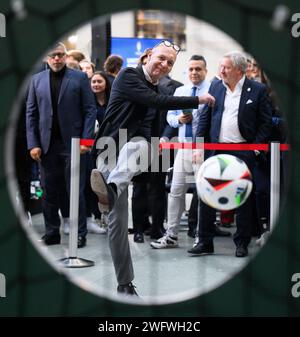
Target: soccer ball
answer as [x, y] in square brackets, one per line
[224, 182]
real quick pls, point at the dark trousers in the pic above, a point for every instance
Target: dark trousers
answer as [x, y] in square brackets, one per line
[149, 197]
[55, 176]
[244, 213]
[261, 178]
[91, 199]
[193, 213]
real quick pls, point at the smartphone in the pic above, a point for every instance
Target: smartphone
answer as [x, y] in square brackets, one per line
[187, 111]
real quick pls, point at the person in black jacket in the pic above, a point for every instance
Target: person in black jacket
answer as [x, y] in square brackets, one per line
[133, 107]
[152, 184]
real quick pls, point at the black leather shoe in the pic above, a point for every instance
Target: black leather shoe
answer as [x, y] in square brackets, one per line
[138, 237]
[220, 232]
[81, 242]
[202, 249]
[50, 240]
[127, 289]
[105, 192]
[241, 251]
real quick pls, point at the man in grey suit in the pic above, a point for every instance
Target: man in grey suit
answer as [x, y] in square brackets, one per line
[60, 106]
[134, 106]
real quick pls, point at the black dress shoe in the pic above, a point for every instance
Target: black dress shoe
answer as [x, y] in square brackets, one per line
[241, 251]
[220, 232]
[81, 242]
[202, 249]
[106, 193]
[50, 240]
[138, 237]
[127, 289]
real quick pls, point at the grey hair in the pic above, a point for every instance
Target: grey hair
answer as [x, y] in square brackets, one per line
[59, 46]
[238, 59]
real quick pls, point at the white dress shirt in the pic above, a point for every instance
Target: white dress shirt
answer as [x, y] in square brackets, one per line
[173, 115]
[229, 131]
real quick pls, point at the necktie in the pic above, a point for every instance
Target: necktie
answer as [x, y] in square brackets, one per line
[188, 126]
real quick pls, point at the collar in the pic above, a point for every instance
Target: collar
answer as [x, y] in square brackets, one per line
[59, 73]
[148, 78]
[199, 85]
[239, 84]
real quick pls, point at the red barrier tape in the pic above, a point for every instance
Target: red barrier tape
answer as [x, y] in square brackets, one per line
[207, 146]
[87, 142]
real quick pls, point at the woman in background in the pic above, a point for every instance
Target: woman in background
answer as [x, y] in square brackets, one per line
[101, 88]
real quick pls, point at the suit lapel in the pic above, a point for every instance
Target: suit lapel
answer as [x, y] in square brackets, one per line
[222, 95]
[246, 90]
[47, 88]
[220, 104]
[64, 85]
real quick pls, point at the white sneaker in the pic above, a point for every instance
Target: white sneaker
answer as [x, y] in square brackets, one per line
[101, 225]
[66, 225]
[104, 221]
[166, 241]
[93, 228]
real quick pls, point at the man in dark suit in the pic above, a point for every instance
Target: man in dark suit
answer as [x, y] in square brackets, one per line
[133, 106]
[60, 106]
[152, 184]
[241, 114]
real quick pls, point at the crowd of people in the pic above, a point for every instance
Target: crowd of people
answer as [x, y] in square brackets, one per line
[70, 98]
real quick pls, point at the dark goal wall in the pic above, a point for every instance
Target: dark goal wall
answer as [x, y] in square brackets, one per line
[264, 287]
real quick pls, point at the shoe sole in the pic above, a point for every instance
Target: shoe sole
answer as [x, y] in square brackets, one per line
[201, 254]
[165, 247]
[98, 186]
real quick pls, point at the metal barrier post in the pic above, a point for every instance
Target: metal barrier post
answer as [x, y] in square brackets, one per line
[73, 261]
[275, 183]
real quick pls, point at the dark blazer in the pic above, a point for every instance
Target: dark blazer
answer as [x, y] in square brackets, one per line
[131, 97]
[76, 109]
[167, 86]
[254, 116]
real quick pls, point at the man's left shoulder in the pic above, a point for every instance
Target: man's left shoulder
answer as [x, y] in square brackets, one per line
[76, 73]
[254, 85]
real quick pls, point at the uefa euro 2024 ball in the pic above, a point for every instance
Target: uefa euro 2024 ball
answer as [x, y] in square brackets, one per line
[224, 182]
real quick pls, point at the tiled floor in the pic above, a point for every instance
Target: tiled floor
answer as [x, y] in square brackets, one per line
[165, 275]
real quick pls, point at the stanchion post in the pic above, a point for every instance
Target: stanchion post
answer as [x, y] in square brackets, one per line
[73, 261]
[74, 196]
[275, 183]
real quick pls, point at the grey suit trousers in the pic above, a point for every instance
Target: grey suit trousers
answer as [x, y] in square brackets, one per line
[129, 163]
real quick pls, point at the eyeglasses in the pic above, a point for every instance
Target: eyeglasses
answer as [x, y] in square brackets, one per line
[60, 55]
[169, 44]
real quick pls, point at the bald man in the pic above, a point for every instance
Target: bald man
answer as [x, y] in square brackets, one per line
[133, 107]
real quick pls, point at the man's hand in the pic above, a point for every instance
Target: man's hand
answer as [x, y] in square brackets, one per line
[161, 140]
[207, 99]
[185, 118]
[36, 153]
[84, 149]
[198, 156]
